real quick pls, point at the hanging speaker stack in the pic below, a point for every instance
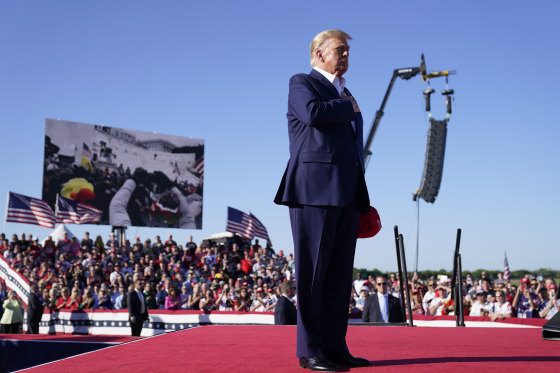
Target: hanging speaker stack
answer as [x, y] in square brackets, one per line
[433, 165]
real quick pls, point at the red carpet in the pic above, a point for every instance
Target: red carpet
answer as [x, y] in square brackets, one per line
[272, 349]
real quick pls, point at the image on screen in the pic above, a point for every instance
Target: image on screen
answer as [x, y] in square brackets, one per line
[135, 178]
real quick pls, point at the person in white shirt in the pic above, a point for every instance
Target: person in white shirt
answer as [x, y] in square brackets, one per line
[429, 296]
[480, 307]
[114, 274]
[502, 308]
[361, 300]
[357, 284]
[260, 302]
[224, 301]
[438, 303]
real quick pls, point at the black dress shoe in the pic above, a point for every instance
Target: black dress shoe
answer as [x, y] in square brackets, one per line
[349, 361]
[319, 364]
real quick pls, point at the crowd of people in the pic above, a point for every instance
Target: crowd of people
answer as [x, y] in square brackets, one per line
[75, 274]
[535, 297]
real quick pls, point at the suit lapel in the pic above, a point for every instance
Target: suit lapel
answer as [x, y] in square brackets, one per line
[359, 121]
[359, 134]
[317, 75]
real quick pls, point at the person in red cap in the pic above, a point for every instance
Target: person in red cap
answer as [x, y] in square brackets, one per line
[525, 300]
[260, 302]
[550, 306]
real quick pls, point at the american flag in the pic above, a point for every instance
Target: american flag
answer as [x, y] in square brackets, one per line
[199, 165]
[29, 210]
[507, 274]
[239, 222]
[73, 212]
[260, 229]
[246, 225]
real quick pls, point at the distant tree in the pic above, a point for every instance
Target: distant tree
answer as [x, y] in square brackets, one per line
[492, 274]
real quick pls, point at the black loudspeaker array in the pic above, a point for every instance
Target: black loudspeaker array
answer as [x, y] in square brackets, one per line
[433, 165]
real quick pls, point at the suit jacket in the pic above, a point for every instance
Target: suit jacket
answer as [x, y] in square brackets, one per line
[372, 312]
[285, 312]
[135, 307]
[322, 170]
[34, 309]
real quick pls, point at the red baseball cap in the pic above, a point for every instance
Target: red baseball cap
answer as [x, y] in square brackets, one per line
[370, 223]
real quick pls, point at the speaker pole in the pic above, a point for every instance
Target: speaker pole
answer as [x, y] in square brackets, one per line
[460, 293]
[407, 289]
[401, 291]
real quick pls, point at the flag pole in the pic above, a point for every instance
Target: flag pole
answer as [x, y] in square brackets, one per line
[6, 215]
[56, 210]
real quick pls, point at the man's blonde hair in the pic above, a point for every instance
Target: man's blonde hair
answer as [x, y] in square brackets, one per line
[321, 38]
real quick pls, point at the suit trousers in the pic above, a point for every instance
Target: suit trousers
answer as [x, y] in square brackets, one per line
[32, 327]
[324, 245]
[136, 327]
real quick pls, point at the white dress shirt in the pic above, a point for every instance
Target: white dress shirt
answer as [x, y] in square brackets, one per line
[142, 303]
[338, 82]
[384, 306]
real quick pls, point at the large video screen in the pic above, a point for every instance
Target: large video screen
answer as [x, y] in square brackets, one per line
[136, 178]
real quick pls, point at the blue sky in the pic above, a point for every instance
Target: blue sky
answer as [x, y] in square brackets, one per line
[219, 71]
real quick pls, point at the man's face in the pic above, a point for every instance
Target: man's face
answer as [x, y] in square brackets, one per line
[381, 285]
[333, 57]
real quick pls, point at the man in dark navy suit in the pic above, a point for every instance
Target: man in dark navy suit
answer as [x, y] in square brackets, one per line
[324, 187]
[137, 310]
[285, 312]
[34, 310]
[382, 306]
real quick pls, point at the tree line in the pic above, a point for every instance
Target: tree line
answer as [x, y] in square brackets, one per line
[493, 274]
